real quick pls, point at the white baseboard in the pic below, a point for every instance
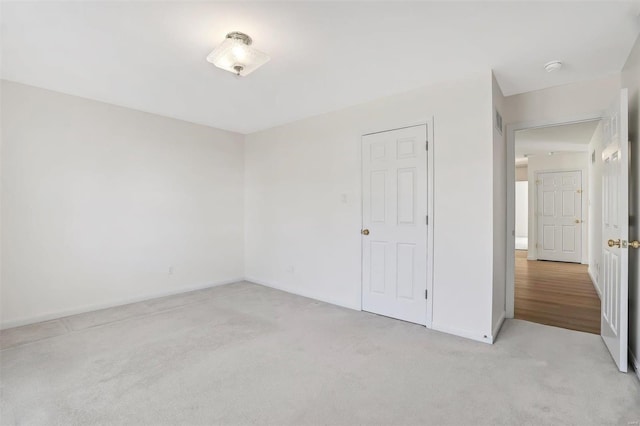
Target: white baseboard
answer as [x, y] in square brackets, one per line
[497, 327]
[595, 283]
[303, 293]
[444, 329]
[532, 257]
[462, 333]
[97, 306]
[634, 364]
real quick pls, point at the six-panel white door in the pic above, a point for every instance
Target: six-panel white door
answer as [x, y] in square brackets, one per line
[559, 213]
[394, 253]
[615, 231]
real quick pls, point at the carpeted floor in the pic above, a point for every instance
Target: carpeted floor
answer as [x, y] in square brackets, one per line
[245, 354]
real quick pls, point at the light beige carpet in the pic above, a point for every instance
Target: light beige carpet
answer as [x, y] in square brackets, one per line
[245, 354]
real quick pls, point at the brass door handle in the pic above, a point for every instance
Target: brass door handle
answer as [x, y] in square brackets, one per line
[634, 244]
[365, 232]
[612, 243]
[578, 221]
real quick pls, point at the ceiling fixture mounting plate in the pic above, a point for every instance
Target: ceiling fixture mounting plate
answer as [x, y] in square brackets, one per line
[553, 66]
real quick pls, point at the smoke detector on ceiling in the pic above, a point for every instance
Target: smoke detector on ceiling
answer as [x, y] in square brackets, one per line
[552, 66]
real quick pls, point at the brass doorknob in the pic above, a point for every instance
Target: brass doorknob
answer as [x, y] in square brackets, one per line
[578, 221]
[612, 243]
[634, 244]
[365, 232]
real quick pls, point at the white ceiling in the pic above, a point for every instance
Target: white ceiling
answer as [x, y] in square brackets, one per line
[325, 56]
[564, 138]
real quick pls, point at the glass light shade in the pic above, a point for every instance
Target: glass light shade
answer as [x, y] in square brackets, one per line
[233, 53]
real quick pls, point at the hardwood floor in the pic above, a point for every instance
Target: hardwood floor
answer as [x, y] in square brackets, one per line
[556, 293]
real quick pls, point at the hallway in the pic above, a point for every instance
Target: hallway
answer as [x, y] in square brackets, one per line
[557, 294]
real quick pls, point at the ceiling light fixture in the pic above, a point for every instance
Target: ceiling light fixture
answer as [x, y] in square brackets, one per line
[236, 55]
[552, 66]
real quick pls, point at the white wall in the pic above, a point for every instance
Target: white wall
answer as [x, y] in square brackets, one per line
[559, 161]
[568, 102]
[631, 80]
[303, 201]
[499, 209]
[522, 209]
[521, 174]
[98, 202]
[595, 207]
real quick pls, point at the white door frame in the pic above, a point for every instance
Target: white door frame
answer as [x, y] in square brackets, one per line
[511, 192]
[430, 197]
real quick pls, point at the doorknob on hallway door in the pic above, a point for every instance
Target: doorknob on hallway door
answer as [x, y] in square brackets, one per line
[634, 244]
[612, 243]
[365, 232]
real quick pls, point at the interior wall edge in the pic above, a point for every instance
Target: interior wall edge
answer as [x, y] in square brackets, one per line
[498, 326]
[634, 363]
[467, 334]
[499, 207]
[594, 282]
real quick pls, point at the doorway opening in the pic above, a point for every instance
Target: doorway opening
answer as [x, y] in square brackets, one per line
[605, 222]
[557, 188]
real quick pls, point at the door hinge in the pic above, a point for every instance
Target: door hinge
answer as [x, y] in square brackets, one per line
[427, 220]
[426, 294]
[538, 182]
[427, 145]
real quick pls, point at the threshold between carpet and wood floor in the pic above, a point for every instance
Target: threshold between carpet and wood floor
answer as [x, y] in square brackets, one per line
[247, 354]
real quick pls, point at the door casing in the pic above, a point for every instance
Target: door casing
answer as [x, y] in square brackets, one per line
[511, 193]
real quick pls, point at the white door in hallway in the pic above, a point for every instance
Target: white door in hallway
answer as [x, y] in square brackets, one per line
[559, 214]
[394, 215]
[615, 231]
